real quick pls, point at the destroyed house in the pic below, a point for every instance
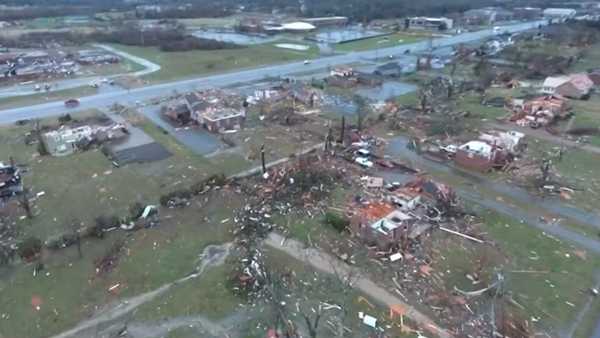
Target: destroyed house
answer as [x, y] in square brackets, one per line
[429, 192]
[217, 111]
[10, 180]
[507, 140]
[222, 119]
[552, 103]
[65, 141]
[481, 156]
[342, 71]
[178, 112]
[382, 225]
[392, 69]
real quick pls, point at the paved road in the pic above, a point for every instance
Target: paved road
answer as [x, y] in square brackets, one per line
[326, 263]
[245, 76]
[149, 66]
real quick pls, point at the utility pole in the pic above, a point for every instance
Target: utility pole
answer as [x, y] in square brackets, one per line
[262, 158]
[343, 129]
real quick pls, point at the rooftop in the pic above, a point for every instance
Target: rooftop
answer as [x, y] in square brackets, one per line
[391, 221]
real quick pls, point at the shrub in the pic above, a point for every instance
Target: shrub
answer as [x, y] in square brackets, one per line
[136, 210]
[339, 223]
[102, 224]
[29, 248]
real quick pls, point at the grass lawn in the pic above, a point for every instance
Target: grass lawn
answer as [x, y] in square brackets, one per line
[224, 22]
[392, 40]
[577, 168]
[471, 103]
[85, 185]
[545, 295]
[590, 60]
[59, 95]
[177, 65]
[73, 291]
[209, 296]
[587, 115]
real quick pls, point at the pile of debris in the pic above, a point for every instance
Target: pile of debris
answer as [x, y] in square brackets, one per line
[68, 140]
[215, 110]
[540, 112]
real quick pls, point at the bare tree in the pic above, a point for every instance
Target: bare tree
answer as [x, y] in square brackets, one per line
[25, 203]
[362, 110]
[76, 227]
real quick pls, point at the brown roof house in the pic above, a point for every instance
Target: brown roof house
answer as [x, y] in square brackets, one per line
[575, 86]
[594, 75]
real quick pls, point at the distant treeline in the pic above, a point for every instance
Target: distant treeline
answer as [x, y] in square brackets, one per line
[357, 10]
[167, 40]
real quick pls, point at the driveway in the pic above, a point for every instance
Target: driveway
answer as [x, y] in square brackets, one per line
[329, 264]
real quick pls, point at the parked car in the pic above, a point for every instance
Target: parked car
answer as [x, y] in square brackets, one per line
[71, 103]
[364, 162]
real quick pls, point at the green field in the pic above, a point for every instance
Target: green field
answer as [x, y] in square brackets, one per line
[392, 40]
[179, 65]
[86, 185]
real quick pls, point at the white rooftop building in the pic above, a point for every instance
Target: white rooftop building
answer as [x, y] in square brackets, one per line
[479, 148]
[559, 13]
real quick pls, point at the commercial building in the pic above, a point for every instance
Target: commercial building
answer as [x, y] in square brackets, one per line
[327, 21]
[427, 23]
[559, 13]
[487, 16]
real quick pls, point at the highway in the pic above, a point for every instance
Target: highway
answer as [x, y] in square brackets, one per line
[130, 97]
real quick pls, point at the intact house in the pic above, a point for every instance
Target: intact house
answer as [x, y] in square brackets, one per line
[427, 23]
[216, 110]
[575, 86]
[10, 180]
[66, 141]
